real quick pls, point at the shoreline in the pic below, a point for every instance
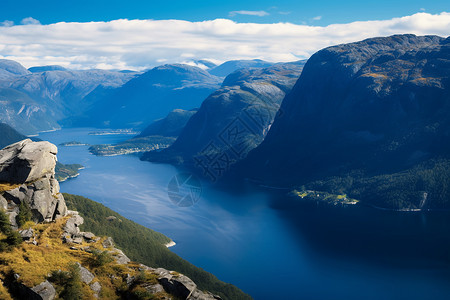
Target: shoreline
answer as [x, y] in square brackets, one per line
[170, 244]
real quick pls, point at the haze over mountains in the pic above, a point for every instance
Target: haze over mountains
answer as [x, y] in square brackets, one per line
[151, 96]
[36, 101]
[43, 98]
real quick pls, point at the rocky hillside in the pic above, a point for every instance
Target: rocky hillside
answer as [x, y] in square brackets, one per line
[56, 260]
[233, 120]
[151, 96]
[360, 111]
[36, 101]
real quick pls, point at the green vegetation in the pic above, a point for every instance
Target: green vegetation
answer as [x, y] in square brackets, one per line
[64, 172]
[324, 197]
[24, 214]
[101, 258]
[426, 186]
[134, 145]
[145, 245]
[9, 237]
[73, 287]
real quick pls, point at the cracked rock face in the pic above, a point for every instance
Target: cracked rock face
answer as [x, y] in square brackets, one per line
[29, 168]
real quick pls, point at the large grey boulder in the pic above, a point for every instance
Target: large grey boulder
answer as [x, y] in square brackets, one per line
[96, 287]
[72, 225]
[178, 285]
[27, 161]
[199, 295]
[30, 168]
[108, 242]
[86, 276]
[45, 290]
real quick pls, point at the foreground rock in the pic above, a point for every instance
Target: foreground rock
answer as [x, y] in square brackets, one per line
[27, 175]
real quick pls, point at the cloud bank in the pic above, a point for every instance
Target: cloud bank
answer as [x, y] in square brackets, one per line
[140, 44]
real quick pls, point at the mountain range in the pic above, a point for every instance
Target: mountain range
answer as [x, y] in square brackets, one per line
[232, 120]
[36, 100]
[151, 96]
[369, 119]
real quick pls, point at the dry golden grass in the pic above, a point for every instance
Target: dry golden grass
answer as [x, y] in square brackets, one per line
[4, 293]
[8, 186]
[34, 263]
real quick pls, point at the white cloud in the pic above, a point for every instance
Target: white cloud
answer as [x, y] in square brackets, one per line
[140, 44]
[30, 21]
[259, 13]
[7, 23]
[318, 18]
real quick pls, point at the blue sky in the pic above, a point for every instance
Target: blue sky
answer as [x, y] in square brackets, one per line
[323, 12]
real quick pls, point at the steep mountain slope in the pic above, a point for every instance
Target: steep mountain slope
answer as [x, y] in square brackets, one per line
[9, 135]
[24, 113]
[172, 125]
[151, 96]
[10, 68]
[233, 120]
[229, 67]
[372, 108]
[36, 101]
[64, 90]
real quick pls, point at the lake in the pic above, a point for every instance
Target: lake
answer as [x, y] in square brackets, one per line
[268, 244]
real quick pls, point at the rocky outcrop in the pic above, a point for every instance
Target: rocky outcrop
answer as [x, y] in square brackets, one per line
[45, 291]
[27, 174]
[85, 275]
[42, 291]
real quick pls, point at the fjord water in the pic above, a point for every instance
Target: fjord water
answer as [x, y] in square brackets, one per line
[267, 244]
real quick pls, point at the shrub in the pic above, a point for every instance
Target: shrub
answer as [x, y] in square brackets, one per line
[14, 238]
[5, 225]
[72, 289]
[101, 258]
[24, 214]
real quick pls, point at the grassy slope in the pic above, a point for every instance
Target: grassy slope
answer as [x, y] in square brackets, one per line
[145, 245]
[34, 263]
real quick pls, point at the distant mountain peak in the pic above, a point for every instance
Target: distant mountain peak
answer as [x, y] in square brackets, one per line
[12, 68]
[229, 67]
[40, 69]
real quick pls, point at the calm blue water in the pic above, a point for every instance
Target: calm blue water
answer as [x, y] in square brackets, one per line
[265, 243]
